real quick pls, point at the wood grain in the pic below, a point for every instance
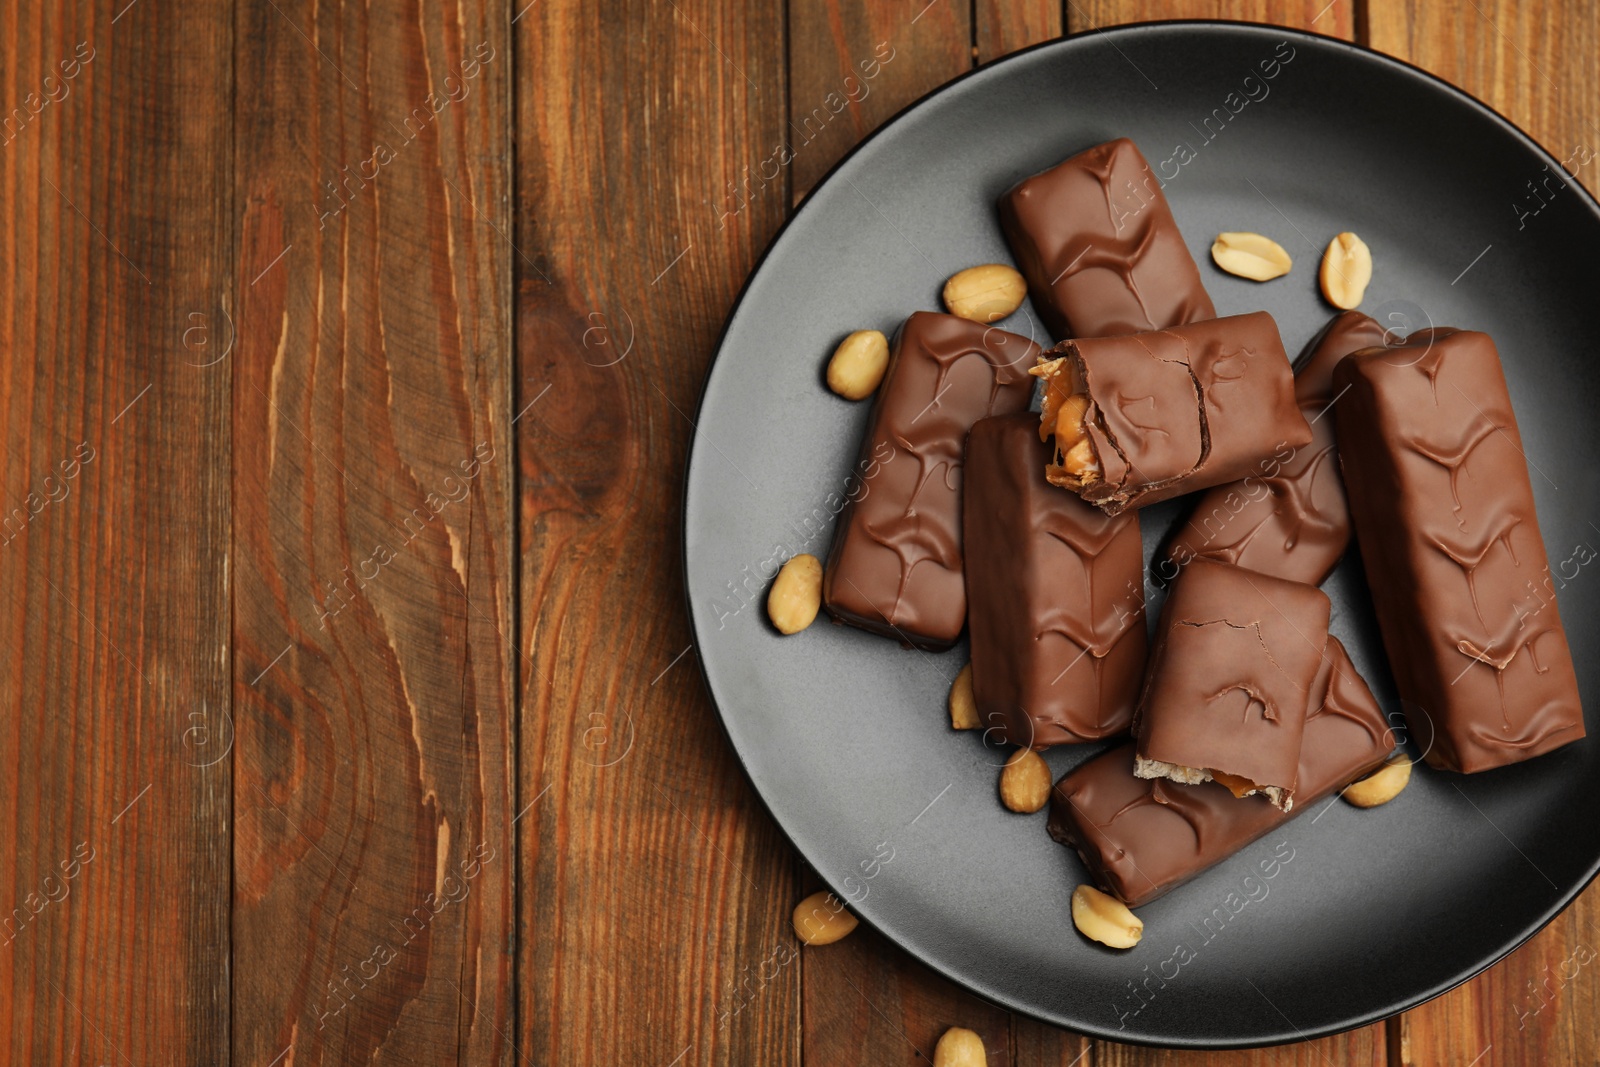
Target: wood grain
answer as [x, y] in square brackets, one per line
[1537, 64]
[373, 636]
[114, 522]
[854, 63]
[1335, 18]
[1004, 26]
[655, 891]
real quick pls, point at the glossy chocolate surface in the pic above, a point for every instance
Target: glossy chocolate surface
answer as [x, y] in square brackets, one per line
[1055, 596]
[895, 567]
[1178, 410]
[1100, 249]
[1443, 509]
[1233, 673]
[1141, 837]
[1290, 519]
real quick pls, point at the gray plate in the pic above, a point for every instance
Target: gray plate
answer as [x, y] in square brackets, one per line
[844, 734]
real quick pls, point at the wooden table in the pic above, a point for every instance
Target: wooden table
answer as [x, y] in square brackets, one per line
[349, 358]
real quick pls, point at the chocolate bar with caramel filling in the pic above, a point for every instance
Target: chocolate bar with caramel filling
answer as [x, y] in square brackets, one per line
[1150, 416]
[1443, 509]
[1289, 518]
[1233, 674]
[1100, 249]
[1055, 596]
[895, 567]
[1141, 837]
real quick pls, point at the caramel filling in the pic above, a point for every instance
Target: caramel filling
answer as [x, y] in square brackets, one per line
[1238, 785]
[1077, 465]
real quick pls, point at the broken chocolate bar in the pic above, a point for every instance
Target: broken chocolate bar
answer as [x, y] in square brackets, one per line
[1151, 416]
[1141, 837]
[1288, 518]
[1443, 510]
[1100, 249]
[895, 566]
[1055, 595]
[1232, 675]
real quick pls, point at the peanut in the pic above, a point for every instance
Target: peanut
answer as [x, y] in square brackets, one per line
[1346, 270]
[960, 1048]
[1025, 782]
[1069, 420]
[963, 706]
[858, 364]
[1081, 462]
[986, 293]
[820, 919]
[1250, 255]
[1104, 918]
[796, 595]
[1382, 785]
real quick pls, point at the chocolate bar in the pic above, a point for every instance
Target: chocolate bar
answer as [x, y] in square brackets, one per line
[895, 566]
[1150, 416]
[1055, 596]
[1232, 676]
[1141, 837]
[1443, 511]
[1290, 519]
[1100, 249]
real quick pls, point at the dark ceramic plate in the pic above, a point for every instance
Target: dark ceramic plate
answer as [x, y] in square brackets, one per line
[845, 734]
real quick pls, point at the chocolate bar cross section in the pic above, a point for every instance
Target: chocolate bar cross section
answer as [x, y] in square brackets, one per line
[1232, 676]
[1146, 417]
[1141, 837]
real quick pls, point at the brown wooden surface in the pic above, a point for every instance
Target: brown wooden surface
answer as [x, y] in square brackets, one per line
[114, 570]
[373, 642]
[655, 889]
[284, 770]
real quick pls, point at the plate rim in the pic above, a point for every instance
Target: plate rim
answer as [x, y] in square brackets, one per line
[1066, 42]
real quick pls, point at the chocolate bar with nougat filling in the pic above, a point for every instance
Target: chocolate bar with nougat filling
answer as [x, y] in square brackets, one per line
[895, 567]
[1149, 416]
[1140, 837]
[1097, 242]
[1443, 509]
[1055, 596]
[1235, 668]
[1290, 518]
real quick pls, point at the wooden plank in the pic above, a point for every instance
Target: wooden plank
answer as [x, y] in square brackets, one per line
[1004, 26]
[373, 546]
[854, 63]
[1335, 18]
[115, 226]
[656, 893]
[1364, 1046]
[1537, 64]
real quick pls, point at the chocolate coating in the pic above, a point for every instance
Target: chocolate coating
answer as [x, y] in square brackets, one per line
[1183, 409]
[1141, 837]
[1443, 510]
[1291, 519]
[1055, 596]
[1100, 249]
[895, 566]
[1233, 673]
